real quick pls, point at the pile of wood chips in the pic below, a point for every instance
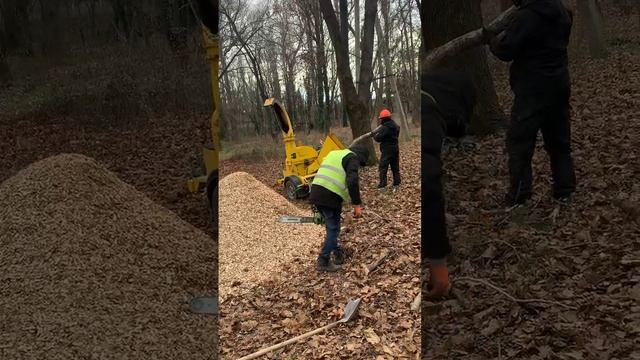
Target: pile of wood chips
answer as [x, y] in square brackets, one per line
[254, 245]
[92, 269]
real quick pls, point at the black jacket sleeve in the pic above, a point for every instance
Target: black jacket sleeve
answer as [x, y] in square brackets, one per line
[381, 134]
[351, 165]
[508, 45]
[435, 243]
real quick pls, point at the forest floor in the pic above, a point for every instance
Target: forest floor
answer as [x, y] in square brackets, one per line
[300, 299]
[539, 282]
[585, 259]
[582, 261]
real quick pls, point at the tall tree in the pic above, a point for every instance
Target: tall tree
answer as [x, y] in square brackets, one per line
[445, 20]
[356, 101]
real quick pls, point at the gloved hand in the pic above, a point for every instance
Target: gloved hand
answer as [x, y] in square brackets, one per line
[438, 285]
[357, 211]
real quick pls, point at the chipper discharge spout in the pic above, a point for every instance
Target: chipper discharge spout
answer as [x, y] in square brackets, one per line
[301, 161]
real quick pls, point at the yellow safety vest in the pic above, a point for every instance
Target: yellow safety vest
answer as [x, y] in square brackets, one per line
[331, 174]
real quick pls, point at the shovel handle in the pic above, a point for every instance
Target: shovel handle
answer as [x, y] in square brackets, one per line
[290, 341]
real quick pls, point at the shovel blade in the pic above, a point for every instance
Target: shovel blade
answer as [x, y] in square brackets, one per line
[204, 305]
[288, 219]
[350, 310]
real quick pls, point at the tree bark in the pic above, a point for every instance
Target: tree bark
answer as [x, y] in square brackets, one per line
[443, 21]
[356, 101]
[344, 47]
[391, 80]
[356, 37]
[505, 4]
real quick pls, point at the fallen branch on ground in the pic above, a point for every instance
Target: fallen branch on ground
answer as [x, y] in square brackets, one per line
[379, 261]
[511, 297]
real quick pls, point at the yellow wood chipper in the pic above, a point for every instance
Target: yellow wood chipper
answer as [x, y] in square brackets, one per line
[211, 148]
[301, 161]
[209, 10]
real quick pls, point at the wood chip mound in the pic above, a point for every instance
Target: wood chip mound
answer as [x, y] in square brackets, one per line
[90, 268]
[254, 246]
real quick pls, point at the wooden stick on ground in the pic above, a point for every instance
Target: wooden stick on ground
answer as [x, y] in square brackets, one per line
[379, 261]
[511, 297]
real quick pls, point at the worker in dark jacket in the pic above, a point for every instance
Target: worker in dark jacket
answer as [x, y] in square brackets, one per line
[336, 182]
[387, 136]
[536, 44]
[448, 99]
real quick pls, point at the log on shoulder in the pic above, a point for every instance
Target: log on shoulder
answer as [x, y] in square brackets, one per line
[469, 40]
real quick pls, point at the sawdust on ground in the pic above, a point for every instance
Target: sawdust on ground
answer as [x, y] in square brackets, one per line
[91, 268]
[254, 246]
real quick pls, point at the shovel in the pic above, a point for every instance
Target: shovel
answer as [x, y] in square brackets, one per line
[349, 312]
[205, 305]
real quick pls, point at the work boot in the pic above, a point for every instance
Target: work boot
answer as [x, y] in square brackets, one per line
[565, 200]
[325, 265]
[510, 202]
[339, 256]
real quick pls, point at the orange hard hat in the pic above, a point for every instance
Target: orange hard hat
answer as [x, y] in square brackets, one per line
[385, 113]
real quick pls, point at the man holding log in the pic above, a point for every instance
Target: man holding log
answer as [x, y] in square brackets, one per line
[536, 44]
[387, 135]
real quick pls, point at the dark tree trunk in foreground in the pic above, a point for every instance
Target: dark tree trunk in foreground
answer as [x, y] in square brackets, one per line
[356, 101]
[446, 20]
[505, 4]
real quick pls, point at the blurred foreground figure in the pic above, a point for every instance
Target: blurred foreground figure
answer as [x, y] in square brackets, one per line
[448, 99]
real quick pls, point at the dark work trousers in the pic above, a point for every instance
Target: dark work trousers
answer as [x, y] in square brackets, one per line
[389, 157]
[553, 120]
[332, 224]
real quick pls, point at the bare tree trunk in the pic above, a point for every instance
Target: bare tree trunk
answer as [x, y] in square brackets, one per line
[591, 20]
[356, 37]
[443, 21]
[391, 80]
[398, 108]
[5, 71]
[356, 101]
[344, 33]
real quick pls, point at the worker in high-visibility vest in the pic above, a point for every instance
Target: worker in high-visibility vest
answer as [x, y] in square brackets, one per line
[337, 182]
